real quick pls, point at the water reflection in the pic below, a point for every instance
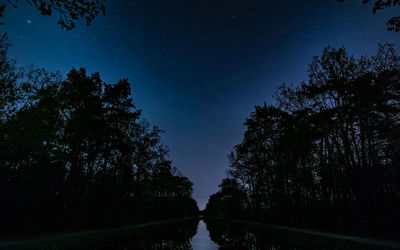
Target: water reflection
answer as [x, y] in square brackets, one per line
[202, 241]
[164, 237]
[221, 234]
[241, 236]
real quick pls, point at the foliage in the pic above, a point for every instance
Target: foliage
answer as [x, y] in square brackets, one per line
[75, 153]
[326, 154]
[68, 11]
[393, 24]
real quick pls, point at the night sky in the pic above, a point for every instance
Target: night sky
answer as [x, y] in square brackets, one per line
[197, 68]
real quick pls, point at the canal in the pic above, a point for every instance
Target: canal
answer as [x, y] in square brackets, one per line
[202, 240]
[200, 234]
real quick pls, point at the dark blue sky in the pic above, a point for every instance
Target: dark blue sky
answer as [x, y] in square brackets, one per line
[197, 68]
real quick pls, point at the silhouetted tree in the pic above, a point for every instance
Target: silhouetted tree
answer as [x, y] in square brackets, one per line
[9, 74]
[76, 154]
[230, 201]
[326, 154]
[393, 24]
[68, 11]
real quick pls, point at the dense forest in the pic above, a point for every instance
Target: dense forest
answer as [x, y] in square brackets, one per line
[75, 153]
[80, 167]
[325, 153]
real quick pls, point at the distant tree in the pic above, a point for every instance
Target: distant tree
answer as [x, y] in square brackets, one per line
[229, 201]
[394, 23]
[68, 11]
[9, 74]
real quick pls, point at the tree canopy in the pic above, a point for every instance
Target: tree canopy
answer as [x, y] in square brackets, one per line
[325, 154]
[68, 11]
[77, 154]
[393, 24]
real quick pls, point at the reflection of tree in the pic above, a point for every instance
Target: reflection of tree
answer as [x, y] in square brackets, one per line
[241, 235]
[167, 237]
[229, 236]
[68, 11]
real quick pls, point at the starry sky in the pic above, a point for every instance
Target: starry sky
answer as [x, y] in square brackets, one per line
[198, 67]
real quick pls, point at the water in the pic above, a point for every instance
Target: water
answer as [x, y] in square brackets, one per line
[202, 240]
[220, 234]
[211, 234]
[235, 235]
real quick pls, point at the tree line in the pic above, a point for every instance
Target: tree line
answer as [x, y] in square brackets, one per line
[75, 153]
[325, 153]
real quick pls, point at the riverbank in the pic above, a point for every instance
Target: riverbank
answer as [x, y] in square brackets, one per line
[313, 233]
[85, 239]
